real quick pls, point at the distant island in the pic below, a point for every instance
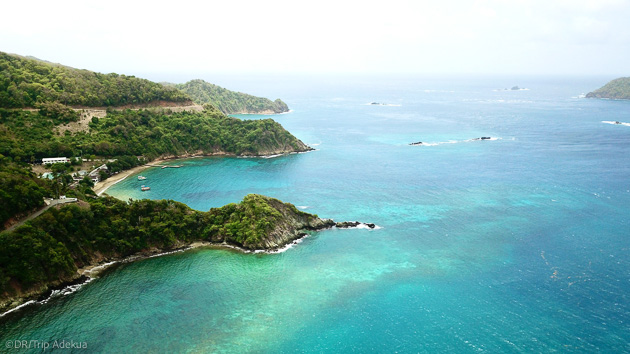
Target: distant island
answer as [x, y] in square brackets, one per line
[230, 102]
[617, 89]
[514, 88]
[54, 112]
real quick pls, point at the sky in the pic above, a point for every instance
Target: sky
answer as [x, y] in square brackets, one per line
[504, 37]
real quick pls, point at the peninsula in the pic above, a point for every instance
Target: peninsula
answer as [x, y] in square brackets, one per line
[50, 110]
[617, 89]
[64, 241]
[230, 102]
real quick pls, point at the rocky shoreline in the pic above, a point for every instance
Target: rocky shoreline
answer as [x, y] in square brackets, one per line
[86, 274]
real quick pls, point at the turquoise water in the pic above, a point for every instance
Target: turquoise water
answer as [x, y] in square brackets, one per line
[511, 245]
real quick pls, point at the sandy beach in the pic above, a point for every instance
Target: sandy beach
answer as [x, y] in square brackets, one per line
[102, 186]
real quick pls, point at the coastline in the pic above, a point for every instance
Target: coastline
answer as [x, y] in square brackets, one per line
[101, 187]
[87, 274]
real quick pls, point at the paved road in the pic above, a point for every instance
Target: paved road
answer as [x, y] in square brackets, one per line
[40, 211]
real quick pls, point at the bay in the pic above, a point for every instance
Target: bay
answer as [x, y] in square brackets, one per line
[517, 243]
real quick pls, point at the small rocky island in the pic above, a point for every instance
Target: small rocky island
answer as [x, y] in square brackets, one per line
[617, 89]
[514, 88]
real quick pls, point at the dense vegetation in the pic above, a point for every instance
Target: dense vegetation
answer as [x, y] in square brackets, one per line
[618, 89]
[20, 190]
[230, 102]
[123, 135]
[28, 82]
[50, 248]
[29, 136]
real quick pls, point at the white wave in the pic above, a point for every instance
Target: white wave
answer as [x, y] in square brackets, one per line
[318, 144]
[384, 104]
[272, 156]
[366, 227]
[18, 307]
[285, 248]
[303, 152]
[98, 268]
[361, 226]
[170, 252]
[303, 207]
[65, 291]
[492, 138]
[457, 141]
[262, 157]
[616, 123]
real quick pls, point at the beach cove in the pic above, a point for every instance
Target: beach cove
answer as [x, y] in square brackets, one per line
[513, 244]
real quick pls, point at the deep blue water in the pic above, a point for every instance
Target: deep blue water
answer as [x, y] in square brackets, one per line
[514, 244]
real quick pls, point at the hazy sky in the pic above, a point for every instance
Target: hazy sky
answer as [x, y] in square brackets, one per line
[394, 36]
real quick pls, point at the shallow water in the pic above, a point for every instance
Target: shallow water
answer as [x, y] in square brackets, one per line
[519, 243]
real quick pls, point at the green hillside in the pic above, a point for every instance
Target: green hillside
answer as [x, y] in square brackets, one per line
[30, 136]
[230, 102]
[27, 136]
[26, 82]
[618, 89]
[48, 250]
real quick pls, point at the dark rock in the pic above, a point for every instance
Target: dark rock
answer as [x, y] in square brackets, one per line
[350, 224]
[347, 224]
[416, 143]
[48, 293]
[515, 88]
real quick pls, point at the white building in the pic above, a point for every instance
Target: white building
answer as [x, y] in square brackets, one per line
[52, 160]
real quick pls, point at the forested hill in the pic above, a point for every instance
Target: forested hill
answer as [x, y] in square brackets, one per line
[26, 82]
[48, 250]
[27, 136]
[618, 89]
[230, 102]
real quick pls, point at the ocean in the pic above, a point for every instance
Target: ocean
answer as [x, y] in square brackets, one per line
[518, 243]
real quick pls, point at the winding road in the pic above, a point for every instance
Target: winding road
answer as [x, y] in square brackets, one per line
[40, 211]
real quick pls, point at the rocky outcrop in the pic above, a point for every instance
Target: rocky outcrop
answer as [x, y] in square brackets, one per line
[272, 225]
[353, 224]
